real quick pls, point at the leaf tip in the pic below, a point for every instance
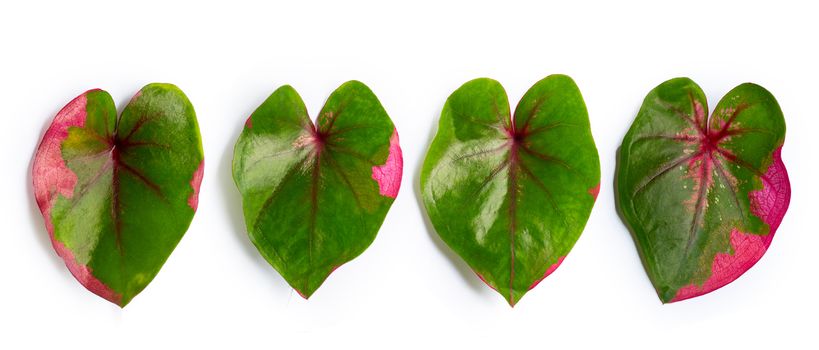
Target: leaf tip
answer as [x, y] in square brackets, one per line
[85, 275]
[303, 295]
[512, 302]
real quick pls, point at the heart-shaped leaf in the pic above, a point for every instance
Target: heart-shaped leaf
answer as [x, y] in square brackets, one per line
[702, 196]
[512, 195]
[118, 194]
[315, 197]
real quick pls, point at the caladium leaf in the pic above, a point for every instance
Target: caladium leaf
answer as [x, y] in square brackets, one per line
[314, 197]
[702, 196]
[117, 194]
[511, 195]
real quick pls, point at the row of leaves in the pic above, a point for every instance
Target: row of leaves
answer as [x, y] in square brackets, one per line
[510, 193]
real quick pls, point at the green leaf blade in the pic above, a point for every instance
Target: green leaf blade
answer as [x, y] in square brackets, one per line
[315, 197]
[512, 201]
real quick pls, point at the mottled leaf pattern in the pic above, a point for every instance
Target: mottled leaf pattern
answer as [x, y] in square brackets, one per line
[702, 196]
[117, 194]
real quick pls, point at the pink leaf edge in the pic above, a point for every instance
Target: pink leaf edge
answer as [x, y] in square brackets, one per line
[196, 182]
[769, 204]
[549, 271]
[594, 191]
[389, 175]
[328, 275]
[52, 178]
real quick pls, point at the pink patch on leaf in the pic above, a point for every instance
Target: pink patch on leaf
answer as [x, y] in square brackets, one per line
[550, 269]
[50, 174]
[699, 113]
[747, 250]
[594, 191]
[769, 204]
[83, 274]
[249, 122]
[389, 175]
[196, 182]
[52, 178]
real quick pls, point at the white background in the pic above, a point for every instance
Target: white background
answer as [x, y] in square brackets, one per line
[408, 289]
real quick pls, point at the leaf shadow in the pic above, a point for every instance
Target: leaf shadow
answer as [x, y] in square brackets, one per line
[232, 202]
[458, 263]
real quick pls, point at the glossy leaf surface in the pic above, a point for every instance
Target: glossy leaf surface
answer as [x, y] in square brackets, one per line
[511, 195]
[702, 196]
[117, 194]
[314, 197]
